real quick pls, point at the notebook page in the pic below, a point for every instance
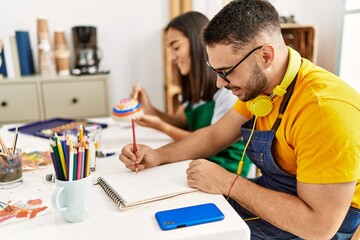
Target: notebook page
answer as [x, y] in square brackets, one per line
[150, 184]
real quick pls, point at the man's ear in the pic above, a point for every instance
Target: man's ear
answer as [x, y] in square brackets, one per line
[268, 55]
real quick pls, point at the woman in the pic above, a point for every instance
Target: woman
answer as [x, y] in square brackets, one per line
[202, 102]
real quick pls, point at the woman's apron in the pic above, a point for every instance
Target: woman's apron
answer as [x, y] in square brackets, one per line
[228, 158]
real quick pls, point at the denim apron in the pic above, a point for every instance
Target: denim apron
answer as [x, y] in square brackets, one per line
[260, 152]
[228, 158]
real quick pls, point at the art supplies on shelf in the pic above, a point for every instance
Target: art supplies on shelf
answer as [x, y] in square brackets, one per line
[60, 126]
[72, 157]
[61, 53]
[26, 60]
[46, 60]
[129, 190]
[21, 210]
[15, 56]
[3, 71]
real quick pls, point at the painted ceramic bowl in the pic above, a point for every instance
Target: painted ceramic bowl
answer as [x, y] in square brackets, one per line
[126, 109]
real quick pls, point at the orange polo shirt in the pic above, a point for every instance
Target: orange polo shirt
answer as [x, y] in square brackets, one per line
[318, 140]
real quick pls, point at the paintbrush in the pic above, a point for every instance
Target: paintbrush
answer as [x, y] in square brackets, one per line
[6, 206]
[15, 140]
[137, 86]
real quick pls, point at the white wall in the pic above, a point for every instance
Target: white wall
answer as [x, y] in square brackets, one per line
[130, 33]
[327, 17]
[208, 7]
[324, 14]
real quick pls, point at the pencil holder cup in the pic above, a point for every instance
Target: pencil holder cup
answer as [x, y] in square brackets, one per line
[73, 198]
[11, 169]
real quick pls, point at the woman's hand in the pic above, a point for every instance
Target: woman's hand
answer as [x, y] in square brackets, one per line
[142, 97]
[150, 121]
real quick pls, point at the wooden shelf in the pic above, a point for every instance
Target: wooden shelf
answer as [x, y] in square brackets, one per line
[302, 38]
[53, 96]
[171, 84]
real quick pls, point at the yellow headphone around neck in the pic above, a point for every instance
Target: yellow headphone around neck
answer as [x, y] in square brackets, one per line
[262, 105]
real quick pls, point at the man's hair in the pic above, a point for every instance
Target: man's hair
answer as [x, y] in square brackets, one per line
[242, 22]
[199, 84]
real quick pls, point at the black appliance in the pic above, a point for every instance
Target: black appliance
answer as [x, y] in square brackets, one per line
[87, 54]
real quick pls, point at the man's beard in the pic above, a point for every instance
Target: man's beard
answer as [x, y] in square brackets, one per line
[256, 85]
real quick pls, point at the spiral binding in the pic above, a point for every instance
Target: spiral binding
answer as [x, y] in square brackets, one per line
[112, 193]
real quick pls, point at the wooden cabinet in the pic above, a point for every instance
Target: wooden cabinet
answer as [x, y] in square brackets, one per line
[302, 38]
[37, 98]
[19, 101]
[75, 98]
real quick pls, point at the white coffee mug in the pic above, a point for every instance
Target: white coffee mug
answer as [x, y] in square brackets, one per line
[73, 198]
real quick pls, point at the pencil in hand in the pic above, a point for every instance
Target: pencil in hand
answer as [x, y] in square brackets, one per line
[134, 144]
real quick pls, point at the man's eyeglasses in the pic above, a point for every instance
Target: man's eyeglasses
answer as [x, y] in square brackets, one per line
[224, 74]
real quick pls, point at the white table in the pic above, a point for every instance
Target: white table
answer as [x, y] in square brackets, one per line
[106, 220]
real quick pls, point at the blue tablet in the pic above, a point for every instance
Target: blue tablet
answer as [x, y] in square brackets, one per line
[188, 216]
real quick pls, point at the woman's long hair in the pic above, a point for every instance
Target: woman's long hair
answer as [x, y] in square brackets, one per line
[200, 83]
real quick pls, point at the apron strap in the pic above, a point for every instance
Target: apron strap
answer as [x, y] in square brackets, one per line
[284, 104]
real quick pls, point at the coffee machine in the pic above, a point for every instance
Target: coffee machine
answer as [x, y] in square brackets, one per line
[87, 54]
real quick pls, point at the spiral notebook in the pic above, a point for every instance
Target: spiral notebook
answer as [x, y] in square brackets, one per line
[128, 189]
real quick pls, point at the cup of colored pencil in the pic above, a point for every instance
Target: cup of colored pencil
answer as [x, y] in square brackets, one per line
[72, 158]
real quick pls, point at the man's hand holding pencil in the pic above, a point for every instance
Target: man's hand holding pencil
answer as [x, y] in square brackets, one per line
[145, 156]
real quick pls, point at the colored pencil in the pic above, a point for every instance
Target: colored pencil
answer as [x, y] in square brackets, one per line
[87, 161]
[81, 133]
[75, 164]
[61, 154]
[134, 144]
[79, 164]
[71, 163]
[54, 163]
[82, 170]
[57, 159]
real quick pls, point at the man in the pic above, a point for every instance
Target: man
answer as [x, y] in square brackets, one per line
[302, 132]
